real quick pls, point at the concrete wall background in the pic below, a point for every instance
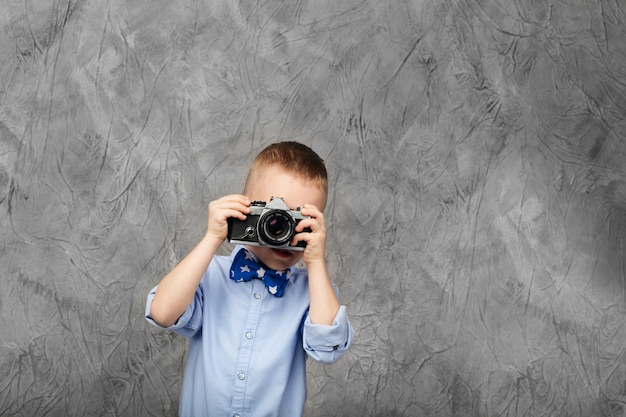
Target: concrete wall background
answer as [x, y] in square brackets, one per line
[476, 150]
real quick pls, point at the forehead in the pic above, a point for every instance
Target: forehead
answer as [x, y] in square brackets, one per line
[270, 181]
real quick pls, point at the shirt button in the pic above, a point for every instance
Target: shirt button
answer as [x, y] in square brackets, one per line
[257, 295]
[249, 335]
[236, 415]
[241, 376]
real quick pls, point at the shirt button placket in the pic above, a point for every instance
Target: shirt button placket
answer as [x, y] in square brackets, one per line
[245, 353]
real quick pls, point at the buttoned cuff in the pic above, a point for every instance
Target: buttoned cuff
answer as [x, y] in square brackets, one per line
[326, 344]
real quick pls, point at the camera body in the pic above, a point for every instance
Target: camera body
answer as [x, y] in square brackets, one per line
[270, 224]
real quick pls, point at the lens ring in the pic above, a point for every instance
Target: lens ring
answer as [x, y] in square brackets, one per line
[276, 228]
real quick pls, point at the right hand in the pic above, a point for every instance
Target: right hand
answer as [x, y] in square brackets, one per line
[233, 205]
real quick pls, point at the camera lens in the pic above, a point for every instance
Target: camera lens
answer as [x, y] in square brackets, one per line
[276, 228]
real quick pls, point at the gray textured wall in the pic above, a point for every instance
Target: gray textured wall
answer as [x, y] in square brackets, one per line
[477, 153]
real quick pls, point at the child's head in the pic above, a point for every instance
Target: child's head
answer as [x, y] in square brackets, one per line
[295, 159]
[295, 173]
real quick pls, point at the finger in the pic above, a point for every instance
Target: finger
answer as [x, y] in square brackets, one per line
[300, 237]
[311, 224]
[238, 214]
[242, 208]
[235, 198]
[236, 204]
[225, 211]
[310, 210]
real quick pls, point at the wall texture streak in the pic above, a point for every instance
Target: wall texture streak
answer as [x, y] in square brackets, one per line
[477, 160]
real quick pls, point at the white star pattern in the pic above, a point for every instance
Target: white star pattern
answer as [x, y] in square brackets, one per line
[232, 275]
[250, 268]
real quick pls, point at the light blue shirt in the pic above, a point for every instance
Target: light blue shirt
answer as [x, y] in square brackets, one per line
[248, 348]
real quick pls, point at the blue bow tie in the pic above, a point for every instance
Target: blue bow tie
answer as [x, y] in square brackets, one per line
[245, 267]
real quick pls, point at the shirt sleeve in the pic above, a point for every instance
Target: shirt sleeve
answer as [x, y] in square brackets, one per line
[188, 323]
[327, 344]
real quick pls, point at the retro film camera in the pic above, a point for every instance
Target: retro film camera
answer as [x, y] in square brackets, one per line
[272, 224]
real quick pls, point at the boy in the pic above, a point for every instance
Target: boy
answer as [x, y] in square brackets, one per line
[248, 343]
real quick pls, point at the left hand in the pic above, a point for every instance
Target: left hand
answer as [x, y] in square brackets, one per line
[315, 250]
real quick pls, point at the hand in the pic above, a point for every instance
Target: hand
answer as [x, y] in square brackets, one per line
[323, 300]
[233, 205]
[315, 239]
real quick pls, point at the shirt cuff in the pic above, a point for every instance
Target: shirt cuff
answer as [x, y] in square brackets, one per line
[327, 344]
[183, 325]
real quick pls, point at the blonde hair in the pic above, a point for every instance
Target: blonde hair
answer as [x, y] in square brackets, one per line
[295, 158]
